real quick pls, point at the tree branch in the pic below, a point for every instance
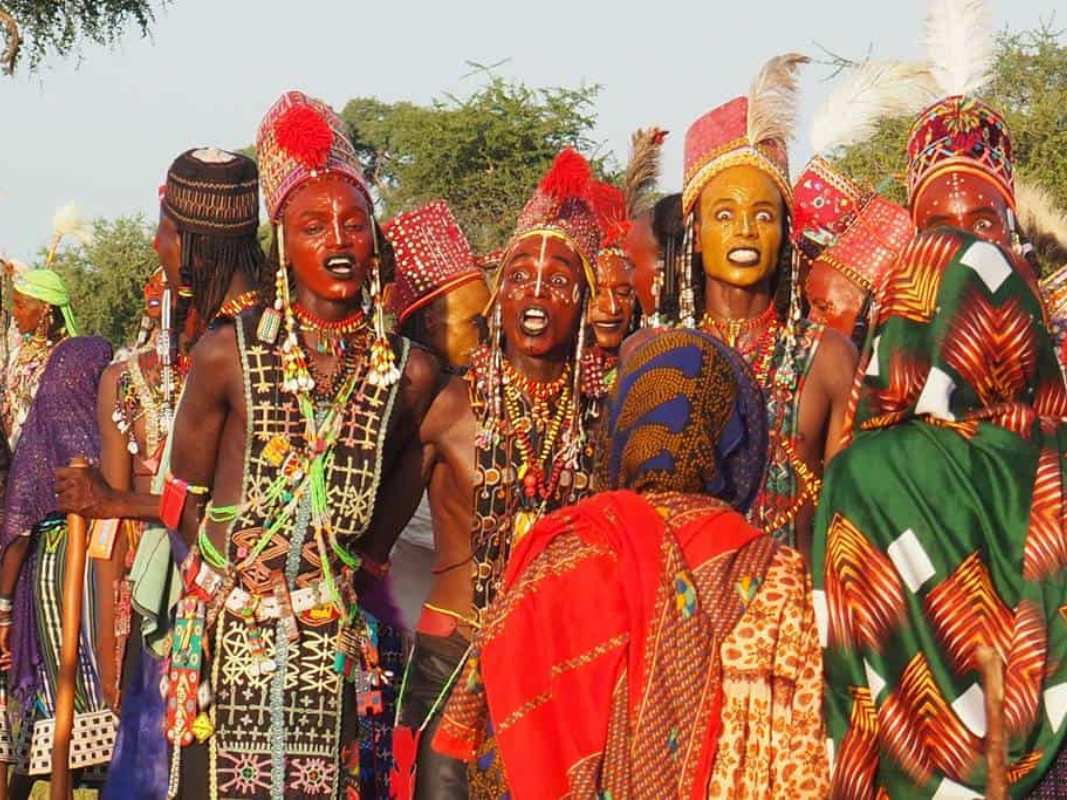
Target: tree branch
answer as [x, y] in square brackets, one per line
[13, 36]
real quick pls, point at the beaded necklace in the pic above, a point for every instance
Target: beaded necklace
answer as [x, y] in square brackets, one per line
[231, 308]
[754, 339]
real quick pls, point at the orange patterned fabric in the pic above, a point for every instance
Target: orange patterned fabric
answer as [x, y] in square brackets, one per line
[773, 743]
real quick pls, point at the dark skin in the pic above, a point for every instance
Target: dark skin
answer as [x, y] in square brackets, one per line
[90, 492]
[747, 216]
[325, 220]
[968, 202]
[448, 433]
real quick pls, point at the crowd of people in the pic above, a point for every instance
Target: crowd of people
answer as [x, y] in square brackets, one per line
[754, 490]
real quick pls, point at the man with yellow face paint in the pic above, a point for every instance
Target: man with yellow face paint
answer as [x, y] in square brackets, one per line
[738, 270]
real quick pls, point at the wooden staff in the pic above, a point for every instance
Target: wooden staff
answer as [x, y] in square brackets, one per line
[73, 586]
[991, 669]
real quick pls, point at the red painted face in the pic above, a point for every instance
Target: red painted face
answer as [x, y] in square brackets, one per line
[613, 306]
[541, 297]
[643, 248]
[968, 202]
[27, 311]
[328, 238]
[835, 300]
[153, 295]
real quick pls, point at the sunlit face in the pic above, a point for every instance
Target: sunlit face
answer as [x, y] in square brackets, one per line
[27, 311]
[613, 305]
[835, 300]
[643, 248]
[168, 246]
[454, 322]
[741, 225]
[153, 295]
[541, 296]
[968, 202]
[328, 237]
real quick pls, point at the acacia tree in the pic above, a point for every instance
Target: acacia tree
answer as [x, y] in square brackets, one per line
[483, 154]
[106, 277]
[1029, 88]
[35, 28]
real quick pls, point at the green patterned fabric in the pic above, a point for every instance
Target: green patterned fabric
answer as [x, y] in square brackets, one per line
[941, 528]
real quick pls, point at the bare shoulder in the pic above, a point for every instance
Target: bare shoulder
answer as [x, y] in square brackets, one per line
[421, 381]
[109, 378]
[448, 410]
[835, 361]
[216, 348]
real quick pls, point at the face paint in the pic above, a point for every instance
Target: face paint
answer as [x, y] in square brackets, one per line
[540, 292]
[454, 321]
[968, 202]
[741, 226]
[613, 305]
[835, 300]
[328, 237]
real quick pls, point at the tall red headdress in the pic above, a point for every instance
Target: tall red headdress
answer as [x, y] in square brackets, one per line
[750, 130]
[432, 256]
[960, 133]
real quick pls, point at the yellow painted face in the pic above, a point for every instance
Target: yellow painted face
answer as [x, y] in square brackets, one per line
[741, 226]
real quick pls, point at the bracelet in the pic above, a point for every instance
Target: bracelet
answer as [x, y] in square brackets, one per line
[172, 502]
[7, 605]
[208, 550]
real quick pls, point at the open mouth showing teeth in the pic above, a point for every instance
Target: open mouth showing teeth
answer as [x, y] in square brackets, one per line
[608, 324]
[341, 266]
[534, 321]
[744, 256]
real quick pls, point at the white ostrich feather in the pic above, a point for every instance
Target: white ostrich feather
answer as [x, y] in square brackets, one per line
[68, 222]
[959, 44]
[772, 99]
[873, 91]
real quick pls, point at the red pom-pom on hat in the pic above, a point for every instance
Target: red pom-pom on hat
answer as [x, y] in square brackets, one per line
[569, 176]
[609, 205]
[305, 136]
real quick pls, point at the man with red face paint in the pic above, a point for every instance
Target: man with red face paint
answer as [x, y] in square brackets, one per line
[735, 199]
[503, 447]
[294, 422]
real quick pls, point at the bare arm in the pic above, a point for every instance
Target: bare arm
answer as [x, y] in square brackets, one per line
[402, 487]
[836, 367]
[10, 567]
[201, 417]
[106, 493]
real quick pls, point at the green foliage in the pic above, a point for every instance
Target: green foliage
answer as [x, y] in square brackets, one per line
[1029, 88]
[59, 26]
[106, 277]
[483, 154]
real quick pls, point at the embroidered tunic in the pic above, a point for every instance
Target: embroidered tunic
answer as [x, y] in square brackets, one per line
[291, 732]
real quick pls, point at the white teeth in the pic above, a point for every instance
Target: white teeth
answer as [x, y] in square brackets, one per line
[535, 313]
[743, 255]
[339, 261]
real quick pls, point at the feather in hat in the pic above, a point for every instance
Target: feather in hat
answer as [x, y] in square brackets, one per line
[1043, 224]
[874, 90]
[68, 222]
[959, 44]
[642, 170]
[772, 100]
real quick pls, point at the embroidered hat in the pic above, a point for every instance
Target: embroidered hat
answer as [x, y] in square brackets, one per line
[825, 203]
[866, 251]
[301, 138]
[749, 130]
[432, 256]
[212, 192]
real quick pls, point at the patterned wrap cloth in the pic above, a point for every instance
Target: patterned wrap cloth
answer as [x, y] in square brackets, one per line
[666, 690]
[61, 425]
[962, 399]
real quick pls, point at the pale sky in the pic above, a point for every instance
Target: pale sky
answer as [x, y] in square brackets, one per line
[102, 132]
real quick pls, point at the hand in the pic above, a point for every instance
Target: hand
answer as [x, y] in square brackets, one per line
[5, 648]
[81, 490]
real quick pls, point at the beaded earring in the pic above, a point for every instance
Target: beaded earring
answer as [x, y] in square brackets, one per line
[686, 296]
[383, 371]
[296, 377]
[165, 352]
[270, 322]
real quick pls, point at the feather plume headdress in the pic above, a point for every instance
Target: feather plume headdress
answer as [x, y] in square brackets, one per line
[825, 201]
[642, 170]
[959, 132]
[1042, 224]
[753, 130]
[68, 223]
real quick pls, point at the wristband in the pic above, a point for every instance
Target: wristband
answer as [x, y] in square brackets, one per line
[172, 502]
